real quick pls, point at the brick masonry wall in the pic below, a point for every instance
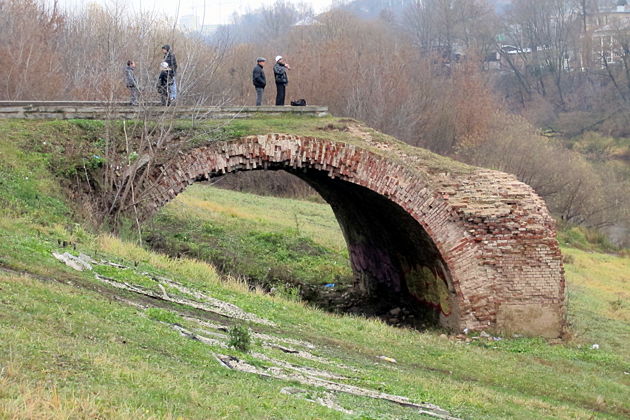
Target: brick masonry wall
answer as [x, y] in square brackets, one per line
[493, 232]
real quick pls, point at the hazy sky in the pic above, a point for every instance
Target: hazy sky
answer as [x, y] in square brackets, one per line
[217, 11]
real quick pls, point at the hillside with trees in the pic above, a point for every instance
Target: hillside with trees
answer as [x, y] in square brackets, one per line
[538, 88]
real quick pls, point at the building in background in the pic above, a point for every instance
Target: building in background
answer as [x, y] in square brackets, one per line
[609, 31]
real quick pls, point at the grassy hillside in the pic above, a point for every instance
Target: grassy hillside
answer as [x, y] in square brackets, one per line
[264, 239]
[142, 335]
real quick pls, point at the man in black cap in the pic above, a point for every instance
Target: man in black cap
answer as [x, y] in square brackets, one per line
[259, 79]
[169, 57]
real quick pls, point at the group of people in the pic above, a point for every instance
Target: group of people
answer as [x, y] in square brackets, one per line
[280, 75]
[166, 84]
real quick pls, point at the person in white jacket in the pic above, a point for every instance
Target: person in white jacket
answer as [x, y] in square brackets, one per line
[282, 79]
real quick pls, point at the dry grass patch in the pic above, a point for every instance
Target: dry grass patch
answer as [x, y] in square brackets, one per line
[189, 268]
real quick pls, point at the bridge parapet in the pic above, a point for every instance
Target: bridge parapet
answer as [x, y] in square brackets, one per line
[120, 110]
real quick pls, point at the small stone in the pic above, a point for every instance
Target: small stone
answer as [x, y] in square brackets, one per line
[444, 336]
[484, 334]
[395, 311]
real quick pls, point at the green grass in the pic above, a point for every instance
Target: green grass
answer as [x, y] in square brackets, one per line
[585, 239]
[72, 347]
[91, 353]
[262, 239]
[599, 298]
[26, 187]
[67, 354]
[162, 315]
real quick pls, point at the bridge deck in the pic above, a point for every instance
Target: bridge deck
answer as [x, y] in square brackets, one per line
[122, 110]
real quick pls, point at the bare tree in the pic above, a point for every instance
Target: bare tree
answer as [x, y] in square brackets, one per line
[445, 26]
[542, 34]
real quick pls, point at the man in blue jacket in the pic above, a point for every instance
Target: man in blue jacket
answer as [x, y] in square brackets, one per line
[132, 83]
[259, 79]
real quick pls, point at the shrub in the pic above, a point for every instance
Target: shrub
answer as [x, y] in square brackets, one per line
[240, 338]
[568, 259]
[287, 292]
[616, 304]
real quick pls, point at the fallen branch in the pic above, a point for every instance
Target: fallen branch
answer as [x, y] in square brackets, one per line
[227, 310]
[432, 410]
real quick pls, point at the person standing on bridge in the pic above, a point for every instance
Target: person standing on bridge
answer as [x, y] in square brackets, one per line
[132, 83]
[282, 80]
[169, 58]
[165, 81]
[259, 79]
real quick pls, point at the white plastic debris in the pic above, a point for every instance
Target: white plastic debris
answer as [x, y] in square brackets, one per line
[595, 347]
[77, 263]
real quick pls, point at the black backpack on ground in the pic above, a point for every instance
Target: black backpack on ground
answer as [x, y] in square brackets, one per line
[299, 102]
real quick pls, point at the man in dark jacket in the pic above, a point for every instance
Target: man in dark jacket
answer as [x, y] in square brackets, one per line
[280, 72]
[259, 79]
[165, 83]
[132, 83]
[169, 57]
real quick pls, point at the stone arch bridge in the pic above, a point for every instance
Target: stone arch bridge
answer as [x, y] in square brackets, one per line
[473, 245]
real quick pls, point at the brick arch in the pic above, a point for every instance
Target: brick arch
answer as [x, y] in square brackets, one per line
[475, 244]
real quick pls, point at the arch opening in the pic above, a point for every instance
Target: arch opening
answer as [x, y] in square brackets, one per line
[394, 261]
